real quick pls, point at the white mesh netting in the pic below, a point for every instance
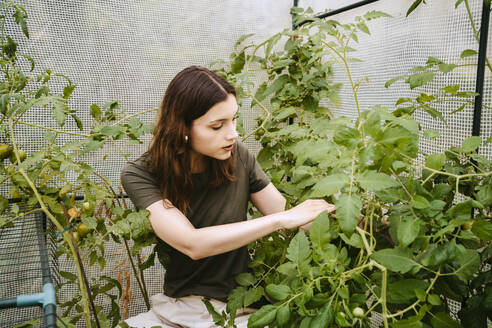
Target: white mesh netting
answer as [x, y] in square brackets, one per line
[130, 50]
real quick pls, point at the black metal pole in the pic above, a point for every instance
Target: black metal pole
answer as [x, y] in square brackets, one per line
[340, 10]
[482, 55]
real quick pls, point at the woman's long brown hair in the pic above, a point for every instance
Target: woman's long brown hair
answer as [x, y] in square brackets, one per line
[191, 93]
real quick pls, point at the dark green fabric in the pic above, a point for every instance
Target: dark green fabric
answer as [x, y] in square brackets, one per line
[213, 276]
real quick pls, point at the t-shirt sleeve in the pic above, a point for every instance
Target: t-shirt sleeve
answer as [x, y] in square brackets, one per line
[139, 184]
[257, 177]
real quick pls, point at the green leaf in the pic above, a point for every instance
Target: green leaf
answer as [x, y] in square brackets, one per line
[434, 299]
[374, 181]
[112, 130]
[288, 268]
[393, 80]
[265, 158]
[276, 86]
[283, 315]
[67, 91]
[432, 134]
[243, 37]
[363, 27]
[420, 202]
[469, 262]
[468, 53]
[459, 109]
[403, 291]
[446, 68]
[235, 300]
[323, 319]
[20, 18]
[414, 5]
[408, 230]
[253, 295]
[482, 229]
[435, 161]
[412, 322]
[485, 195]
[59, 113]
[139, 223]
[395, 259]
[444, 320]
[238, 63]
[458, 2]
[245, 279]
[375, 14]
[68, 275]
[264, 316]
[451, 89]
[471, 144]
[420, 79]
[489, 140]
[90, 222]
[299, 250]
[319, 233]
[95, 111]
[330, 185]
[216, 317]
[10, 47]
[348, 211]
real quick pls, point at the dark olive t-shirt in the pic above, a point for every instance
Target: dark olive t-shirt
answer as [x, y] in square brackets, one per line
[212, 276]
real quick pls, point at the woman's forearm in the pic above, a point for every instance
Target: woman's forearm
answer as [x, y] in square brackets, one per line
[174, 228]
[220, 239]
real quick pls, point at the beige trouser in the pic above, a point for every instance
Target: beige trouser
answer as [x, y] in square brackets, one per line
[183, 312]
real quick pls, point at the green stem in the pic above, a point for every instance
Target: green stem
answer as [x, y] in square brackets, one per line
[475, 31]
[384, 282]
[146, 299]
[362, 234]
[54, 130]
[268, 115]
[136, 114]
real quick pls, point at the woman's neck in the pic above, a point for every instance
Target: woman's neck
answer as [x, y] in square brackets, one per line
[197, 162]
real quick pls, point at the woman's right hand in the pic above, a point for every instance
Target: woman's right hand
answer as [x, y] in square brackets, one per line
[305, 213]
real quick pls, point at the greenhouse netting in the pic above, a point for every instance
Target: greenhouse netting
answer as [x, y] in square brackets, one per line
[383, 108]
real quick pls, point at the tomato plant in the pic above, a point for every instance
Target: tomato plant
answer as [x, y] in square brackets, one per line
[43, 179]
[408, 234]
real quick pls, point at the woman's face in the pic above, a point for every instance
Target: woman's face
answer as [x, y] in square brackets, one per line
[214, 133]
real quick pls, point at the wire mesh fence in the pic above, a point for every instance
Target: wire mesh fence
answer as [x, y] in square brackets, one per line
[130, 50]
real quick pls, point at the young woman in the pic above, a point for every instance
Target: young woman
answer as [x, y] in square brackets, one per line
[196, 180]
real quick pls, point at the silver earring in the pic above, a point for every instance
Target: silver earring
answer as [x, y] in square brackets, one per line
[186, 139]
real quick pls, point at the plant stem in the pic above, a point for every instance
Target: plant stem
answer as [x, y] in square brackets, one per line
[362, 234]
[54, 130]
[147, 302]
[268, 115]
[384, 282]
[475, 31]
[142, 278]
[136, 114]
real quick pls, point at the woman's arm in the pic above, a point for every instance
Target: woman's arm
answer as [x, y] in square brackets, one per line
[268, 200]
[175, 229]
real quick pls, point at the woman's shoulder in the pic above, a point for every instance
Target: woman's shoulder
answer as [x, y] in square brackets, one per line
[243, 154]
[138, 165]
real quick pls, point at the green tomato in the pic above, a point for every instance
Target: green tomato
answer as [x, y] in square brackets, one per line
[83, 230]
[88, 207]
[358, 312]
[5, 151]
[22, 156]
[65, 189]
